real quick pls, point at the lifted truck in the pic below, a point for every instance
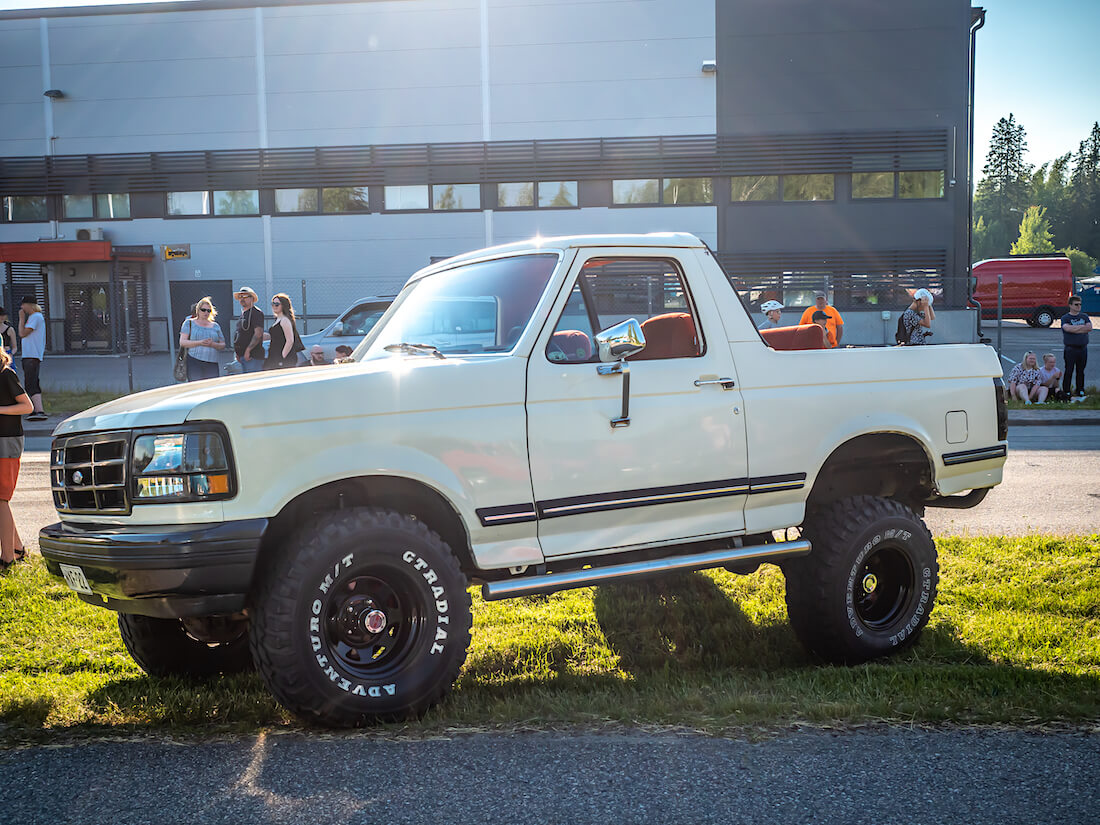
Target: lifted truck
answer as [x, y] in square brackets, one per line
[616, 414]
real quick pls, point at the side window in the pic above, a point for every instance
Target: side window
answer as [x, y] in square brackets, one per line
[650, 290]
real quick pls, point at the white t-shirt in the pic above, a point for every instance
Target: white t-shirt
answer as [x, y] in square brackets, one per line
[34, 345]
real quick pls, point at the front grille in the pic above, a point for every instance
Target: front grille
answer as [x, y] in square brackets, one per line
[88, 473]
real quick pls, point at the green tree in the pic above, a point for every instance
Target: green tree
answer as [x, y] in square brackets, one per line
[563, 197]
[1083, 265]
[1049, 190]
[1084, 195]
[1006, 182]
[989, 241]
[1034, 233]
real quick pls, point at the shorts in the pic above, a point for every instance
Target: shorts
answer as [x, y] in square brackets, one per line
[9, 475]
[31, 367]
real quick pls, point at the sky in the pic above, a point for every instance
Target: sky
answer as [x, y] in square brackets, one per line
[1037, 60]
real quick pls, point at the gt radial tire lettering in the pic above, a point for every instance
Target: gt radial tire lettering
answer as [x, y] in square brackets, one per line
[915, 620]
[430, 576]
[334, 676]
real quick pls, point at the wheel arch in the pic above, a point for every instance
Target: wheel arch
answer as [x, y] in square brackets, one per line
[887, 464]
[398, 493]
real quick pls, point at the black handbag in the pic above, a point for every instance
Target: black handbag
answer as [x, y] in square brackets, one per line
[179, 369]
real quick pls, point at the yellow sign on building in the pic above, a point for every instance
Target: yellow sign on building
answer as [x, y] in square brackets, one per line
[178, 252]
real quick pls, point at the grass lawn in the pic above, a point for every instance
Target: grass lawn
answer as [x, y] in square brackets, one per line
[1091, 402]
[1014, 638]
[70, 401]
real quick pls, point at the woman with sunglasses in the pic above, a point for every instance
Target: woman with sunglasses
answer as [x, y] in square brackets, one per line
[283, 335]
[202, 338]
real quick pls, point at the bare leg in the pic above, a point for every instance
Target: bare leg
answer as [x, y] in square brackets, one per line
[1041, 393]
[1021, 392]
[7, 533]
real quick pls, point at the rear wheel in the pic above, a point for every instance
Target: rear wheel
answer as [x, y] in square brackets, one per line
[868, 585]
[363, 616]
[1043, 317]
[194, 647]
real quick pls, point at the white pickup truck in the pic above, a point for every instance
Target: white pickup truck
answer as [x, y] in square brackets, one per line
[617, 414]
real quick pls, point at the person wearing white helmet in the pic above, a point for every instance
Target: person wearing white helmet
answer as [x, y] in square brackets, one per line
[917, 320]
[772, 311]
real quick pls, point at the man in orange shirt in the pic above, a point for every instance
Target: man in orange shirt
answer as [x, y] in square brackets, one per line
[835, 324]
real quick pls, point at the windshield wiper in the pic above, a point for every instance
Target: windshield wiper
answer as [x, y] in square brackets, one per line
[406, 348]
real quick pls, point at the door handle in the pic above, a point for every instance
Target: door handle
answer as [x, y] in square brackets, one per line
[727, 383]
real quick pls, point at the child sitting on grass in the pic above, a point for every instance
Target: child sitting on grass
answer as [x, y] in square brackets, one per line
[14, 403]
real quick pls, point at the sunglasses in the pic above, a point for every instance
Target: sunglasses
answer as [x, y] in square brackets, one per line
[204, 309]
[276, 303]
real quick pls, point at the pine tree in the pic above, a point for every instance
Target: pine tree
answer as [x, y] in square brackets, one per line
[1004, 190]
[1034, 233]
[1084, 195]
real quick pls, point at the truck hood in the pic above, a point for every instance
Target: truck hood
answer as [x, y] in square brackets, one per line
[267, 396]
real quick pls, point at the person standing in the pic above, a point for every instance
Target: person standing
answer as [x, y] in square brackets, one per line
[917, 319]
[14, 402]
[285, 344]
[32, 331]
[202, 337]
[1075, 338]
[8, 336]
[835, 322]
[772, 311]
[248, 343]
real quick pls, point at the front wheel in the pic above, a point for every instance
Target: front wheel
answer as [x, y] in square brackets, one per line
[362, 616]
[868, 585]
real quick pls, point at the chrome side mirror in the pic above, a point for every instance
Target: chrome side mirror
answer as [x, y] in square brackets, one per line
[616, 344]
[620, 341]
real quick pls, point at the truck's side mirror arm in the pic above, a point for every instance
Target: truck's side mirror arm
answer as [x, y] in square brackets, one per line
[616, 344]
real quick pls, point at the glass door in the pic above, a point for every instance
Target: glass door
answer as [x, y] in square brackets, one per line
[87, 318]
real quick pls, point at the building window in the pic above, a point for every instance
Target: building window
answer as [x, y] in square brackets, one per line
[515, 195]
[237, 202]
[745, 188]
[98, 207]
[920, 184]
[290, 201]
[807, 187]
[646, 190]
[557, 194]
[546, 194]
[25, 208]
[338, 199]
[687, 190]
[188, 203]
[406, 197]
[456, 196]
[874, 176]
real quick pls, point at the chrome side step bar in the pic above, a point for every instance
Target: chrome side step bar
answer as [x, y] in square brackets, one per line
[552, 582]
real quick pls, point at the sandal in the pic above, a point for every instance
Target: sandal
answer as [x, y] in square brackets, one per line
[5, 566]
[20, 554]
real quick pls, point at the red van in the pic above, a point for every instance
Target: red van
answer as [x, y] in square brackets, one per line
[1035, 287]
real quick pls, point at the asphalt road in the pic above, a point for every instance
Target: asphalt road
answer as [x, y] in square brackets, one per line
[869, 776]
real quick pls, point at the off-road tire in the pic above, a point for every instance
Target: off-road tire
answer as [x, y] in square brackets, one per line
[316, 634]
[163, 647]
[868, 585]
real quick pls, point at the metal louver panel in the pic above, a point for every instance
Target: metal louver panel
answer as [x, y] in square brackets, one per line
[499, 162]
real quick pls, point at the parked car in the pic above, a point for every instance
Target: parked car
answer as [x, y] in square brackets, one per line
[1034, 287]
[348, 328]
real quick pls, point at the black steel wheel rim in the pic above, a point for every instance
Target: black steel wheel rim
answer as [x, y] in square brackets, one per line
[351, 615]
[882, 587]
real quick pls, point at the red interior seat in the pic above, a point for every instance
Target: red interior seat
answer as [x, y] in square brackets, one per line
[671, 335]
[574, 346]
[803, 336]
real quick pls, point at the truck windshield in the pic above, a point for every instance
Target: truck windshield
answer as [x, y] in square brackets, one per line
[478, 307]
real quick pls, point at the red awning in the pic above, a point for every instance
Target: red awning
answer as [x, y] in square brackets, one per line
[51, 252]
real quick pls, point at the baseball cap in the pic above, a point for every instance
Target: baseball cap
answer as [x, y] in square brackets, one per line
[29, 299]
[820, 316]
[768, 306]
[820, 294]
[246, 290]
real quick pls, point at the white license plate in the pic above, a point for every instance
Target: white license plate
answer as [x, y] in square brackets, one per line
[74, 577]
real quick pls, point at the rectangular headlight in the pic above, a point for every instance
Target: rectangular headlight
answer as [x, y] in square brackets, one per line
[182, 466]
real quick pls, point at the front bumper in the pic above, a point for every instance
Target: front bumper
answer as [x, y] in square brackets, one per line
[166, 571]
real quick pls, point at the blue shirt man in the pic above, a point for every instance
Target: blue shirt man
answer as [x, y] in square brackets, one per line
[1075, 336]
